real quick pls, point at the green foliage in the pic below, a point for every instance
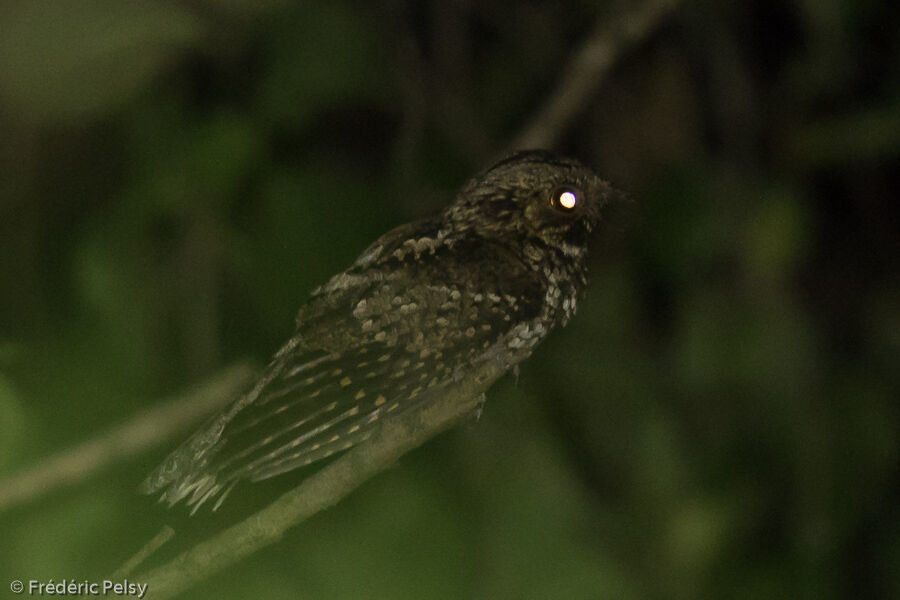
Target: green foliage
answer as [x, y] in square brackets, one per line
[12, 420]
[719, 420]
[66, 59]
[321, 55]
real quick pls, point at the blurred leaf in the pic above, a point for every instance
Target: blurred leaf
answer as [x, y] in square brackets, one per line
[661, 471]
[871, 134]
[400, 539]
[687, 224]
[883, 326]
[696, 534]
[124, 298]
[12, 421]
[776, 236]
[867, 443]
[538, 525]
[245, 7]
[743, 346]
[79, 520]
[308, 228]
[9, 350]
[182, 165]
[68, 59]
[326, 58]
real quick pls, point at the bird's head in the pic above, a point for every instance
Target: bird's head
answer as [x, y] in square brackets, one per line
[532, 196]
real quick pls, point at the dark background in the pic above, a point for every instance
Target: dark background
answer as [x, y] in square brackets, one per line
[719, 421]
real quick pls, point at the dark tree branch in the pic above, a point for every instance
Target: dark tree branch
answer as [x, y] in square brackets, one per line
[610, 40]
[612, 37]
[325, 488]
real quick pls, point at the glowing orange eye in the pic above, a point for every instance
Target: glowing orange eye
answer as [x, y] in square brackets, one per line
[565, 199]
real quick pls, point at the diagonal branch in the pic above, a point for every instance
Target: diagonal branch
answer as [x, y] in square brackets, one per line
[610, 40]
[145, 430]
[323, 489]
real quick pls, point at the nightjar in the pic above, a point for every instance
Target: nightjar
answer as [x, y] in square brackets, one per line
[421, 308]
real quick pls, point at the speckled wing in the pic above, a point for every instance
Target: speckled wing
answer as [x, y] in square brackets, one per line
[408, 317]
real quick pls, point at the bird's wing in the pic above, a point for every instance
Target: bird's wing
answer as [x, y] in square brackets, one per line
[365, 348]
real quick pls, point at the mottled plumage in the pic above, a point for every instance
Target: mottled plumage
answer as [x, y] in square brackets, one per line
[420, 308]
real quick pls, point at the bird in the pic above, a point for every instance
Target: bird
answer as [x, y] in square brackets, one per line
[422, 308]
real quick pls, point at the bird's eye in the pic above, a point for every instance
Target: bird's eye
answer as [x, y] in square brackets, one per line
[565, 199]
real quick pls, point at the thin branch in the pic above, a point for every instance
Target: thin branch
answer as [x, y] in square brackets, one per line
[145, 430]
[323, 489]
[165, 534]
[612, 37]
